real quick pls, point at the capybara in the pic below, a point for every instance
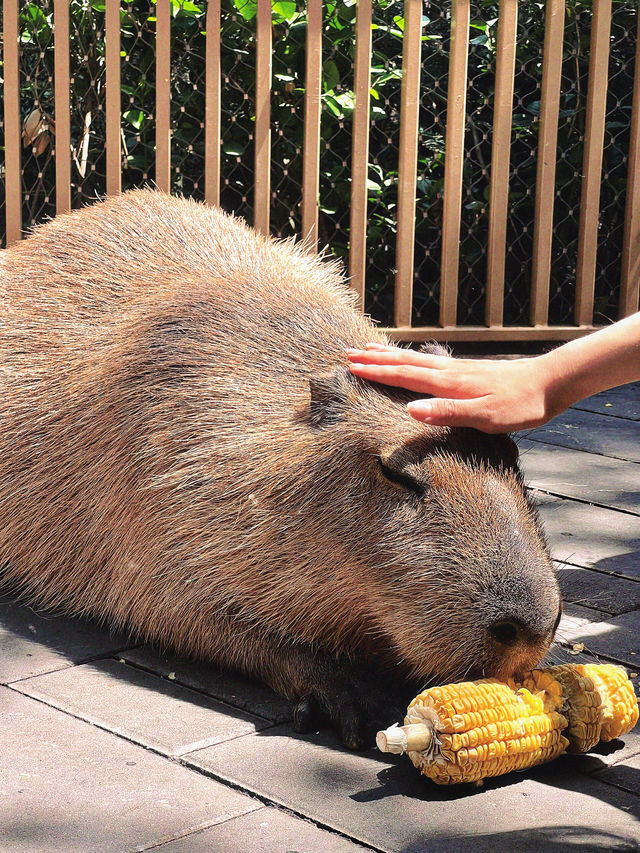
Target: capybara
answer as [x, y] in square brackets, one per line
[184, 455]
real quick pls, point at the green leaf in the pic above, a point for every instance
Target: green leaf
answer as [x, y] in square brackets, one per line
[233, 149]
[331, 76]
[333, 105]
[134, 117]
[247, 8]
[285, 10]
[188, 8]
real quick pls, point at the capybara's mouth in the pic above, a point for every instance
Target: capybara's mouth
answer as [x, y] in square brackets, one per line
[519, 661]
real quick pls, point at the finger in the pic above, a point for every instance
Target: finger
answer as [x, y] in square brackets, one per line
[458, 413]
[419, 379]
[399, 356]
[379, 347]
[399, 376]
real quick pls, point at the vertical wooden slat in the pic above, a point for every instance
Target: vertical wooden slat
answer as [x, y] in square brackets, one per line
[408, 160]
[112, 74]
[263, 118]
[360, 150]
[592, 160]
[311, 145]
[212, 124]
[11, 121]
[454, 160]
[500, 149]
[62, 105]
[546, 167]
[630, 273]
[163, 95]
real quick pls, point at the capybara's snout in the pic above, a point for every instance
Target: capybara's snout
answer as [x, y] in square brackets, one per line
[519, 628]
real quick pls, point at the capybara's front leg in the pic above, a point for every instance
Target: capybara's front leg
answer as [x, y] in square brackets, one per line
[354, 698]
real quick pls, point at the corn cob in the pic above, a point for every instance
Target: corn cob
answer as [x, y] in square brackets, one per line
[568, 688]
[469, 731]
[619, 704]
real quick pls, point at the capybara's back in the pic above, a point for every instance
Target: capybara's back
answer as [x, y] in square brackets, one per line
[184, 455]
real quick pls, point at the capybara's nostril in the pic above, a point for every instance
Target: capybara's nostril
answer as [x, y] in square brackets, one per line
[505, 632]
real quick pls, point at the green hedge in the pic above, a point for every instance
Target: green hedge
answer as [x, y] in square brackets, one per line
[238, 48]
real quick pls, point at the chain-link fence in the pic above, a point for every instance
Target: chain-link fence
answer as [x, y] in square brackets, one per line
[238, 20]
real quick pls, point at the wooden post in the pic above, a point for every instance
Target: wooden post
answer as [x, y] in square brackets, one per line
[360, 150]
[500, 161]
[112, 74]
[454, 160]
[546, 169]
[408, 160]
[12, 158]
[163, 95]
[212, 124]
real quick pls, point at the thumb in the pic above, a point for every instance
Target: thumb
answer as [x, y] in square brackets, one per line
[443, 412]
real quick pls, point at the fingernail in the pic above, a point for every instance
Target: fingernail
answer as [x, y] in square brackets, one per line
[420, 407]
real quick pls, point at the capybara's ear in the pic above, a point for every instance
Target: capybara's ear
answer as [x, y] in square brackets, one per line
[329, 395]
[399, 467]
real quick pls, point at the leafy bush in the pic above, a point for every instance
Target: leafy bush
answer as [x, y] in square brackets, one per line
[289, 32]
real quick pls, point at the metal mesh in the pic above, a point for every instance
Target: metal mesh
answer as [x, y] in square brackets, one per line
[88, 118]
[188, 24]
[36, 109]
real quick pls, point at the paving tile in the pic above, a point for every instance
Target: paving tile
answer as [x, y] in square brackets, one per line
[141, 706]
[624, 774]
[66, 786]
[268, 830]
[587, 535]
[616, 752]
[566, 648]
[226, 686]
[384, 802]
[622, 402]
[587, 476]
[605, 592]
[576, 615]
[592, 432]
[604, 754]
[32, 643]
[615, 638]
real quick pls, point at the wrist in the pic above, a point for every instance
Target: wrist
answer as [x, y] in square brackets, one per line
[555, 382]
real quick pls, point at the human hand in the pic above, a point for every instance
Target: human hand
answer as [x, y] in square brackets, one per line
[492, 396]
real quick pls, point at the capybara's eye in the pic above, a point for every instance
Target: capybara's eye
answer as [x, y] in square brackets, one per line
[401, 478]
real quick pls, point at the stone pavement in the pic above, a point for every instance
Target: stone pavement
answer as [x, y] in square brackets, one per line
[109, 747]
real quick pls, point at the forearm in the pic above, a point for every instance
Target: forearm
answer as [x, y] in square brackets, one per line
[605, 359]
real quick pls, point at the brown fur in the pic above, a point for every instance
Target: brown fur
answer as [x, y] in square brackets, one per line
[164, 468]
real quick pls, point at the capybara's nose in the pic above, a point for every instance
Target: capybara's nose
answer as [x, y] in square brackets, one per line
[506, 632]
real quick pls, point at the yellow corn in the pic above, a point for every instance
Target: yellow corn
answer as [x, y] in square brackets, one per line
[570, 689]
[484, 728]
[469, 731]
[619, 703]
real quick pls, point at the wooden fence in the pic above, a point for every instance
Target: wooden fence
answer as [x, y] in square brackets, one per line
[494, 329]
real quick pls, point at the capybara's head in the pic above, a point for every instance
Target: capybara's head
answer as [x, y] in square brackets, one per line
[446, 538]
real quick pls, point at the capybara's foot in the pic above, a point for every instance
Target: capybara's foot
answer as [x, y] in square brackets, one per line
[354, 701]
